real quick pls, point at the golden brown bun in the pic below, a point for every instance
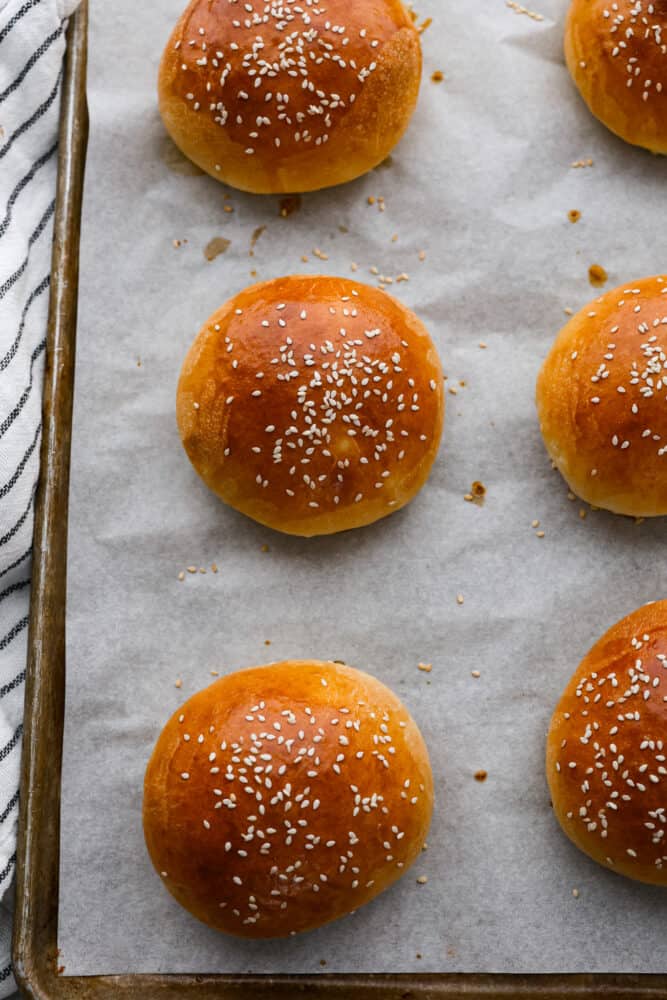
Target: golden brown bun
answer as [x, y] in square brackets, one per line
[312, 404]
[293, 96]
[286, 796]
[607, 749]
[602, 400]
[617, 55]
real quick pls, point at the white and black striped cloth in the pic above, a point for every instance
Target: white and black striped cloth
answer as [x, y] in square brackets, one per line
[32, 45]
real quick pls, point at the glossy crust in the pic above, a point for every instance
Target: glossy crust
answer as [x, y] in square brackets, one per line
[283, 797]
[607, 749]
[602, 400]
[295, 96]
[617, 56]
[312, 404]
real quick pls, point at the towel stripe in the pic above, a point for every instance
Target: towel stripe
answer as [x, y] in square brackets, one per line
[23, 183]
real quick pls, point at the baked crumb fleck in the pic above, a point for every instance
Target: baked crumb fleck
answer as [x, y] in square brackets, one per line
[265, 548]
[290, 205]
[438, 76]
[475, 674]
[181, 576]
[574, 215]
[540, 534]
[192, 569]
[477, 493]
[178, 683]
[578, 164]
[425, 667]
[481, 775]
[214, 567]
[422, 880]
[459, 599]
[422, 255]
[575, 893]
[597, 276]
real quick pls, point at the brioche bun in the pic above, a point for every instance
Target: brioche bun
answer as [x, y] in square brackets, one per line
[283, 797]
[602, 400]
[312, 404]
[607, 749]
[617, 56]
[293, 95]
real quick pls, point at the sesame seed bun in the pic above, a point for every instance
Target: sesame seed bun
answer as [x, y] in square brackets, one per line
[312, 404]
[617, 56]
[602, 400]
[283, 797]
[289, 95]
[607, 749]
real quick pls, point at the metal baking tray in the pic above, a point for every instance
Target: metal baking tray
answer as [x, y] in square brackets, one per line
[35, 947]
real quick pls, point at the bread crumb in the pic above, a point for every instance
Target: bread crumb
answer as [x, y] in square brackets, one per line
[228, 209]
[475, 673]
[477, 493]
[178, 683]
[422, 880]
[354, 267]
[481, 775]
[459, 599]
[371, 199]
[192, 569]
[582, 513]
[422, 255]
[181, 576]
[574, 215]
[304, 258]
[483, 345]
[438, 76]
[535, 524]
[214, 673]
[540, 534]
[425, 667]
[320, 254]
[214, 567]
[265, 548]
[453, 390]
[568, 311]
[267, 642]
[571, 497]
[215, 247]
[582, 163]
[176, 244]
[597, 276]
[290, 205]
[575, 893]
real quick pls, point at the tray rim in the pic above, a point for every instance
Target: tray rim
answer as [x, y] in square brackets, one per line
[35, 949]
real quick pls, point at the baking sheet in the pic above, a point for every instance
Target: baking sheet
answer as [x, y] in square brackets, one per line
[483, 184]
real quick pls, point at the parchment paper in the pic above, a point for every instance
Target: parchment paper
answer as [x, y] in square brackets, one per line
[483, 183]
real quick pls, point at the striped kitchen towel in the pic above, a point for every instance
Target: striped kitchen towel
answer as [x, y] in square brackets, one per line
[32, 45]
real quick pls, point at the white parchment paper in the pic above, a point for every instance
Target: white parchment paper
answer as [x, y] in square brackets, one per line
[483, 183]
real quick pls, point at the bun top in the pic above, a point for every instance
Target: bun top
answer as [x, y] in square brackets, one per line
[279, 76]
[283, 797]
[607, 749]
[617, 54]
[312, 404]
[602, 399]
